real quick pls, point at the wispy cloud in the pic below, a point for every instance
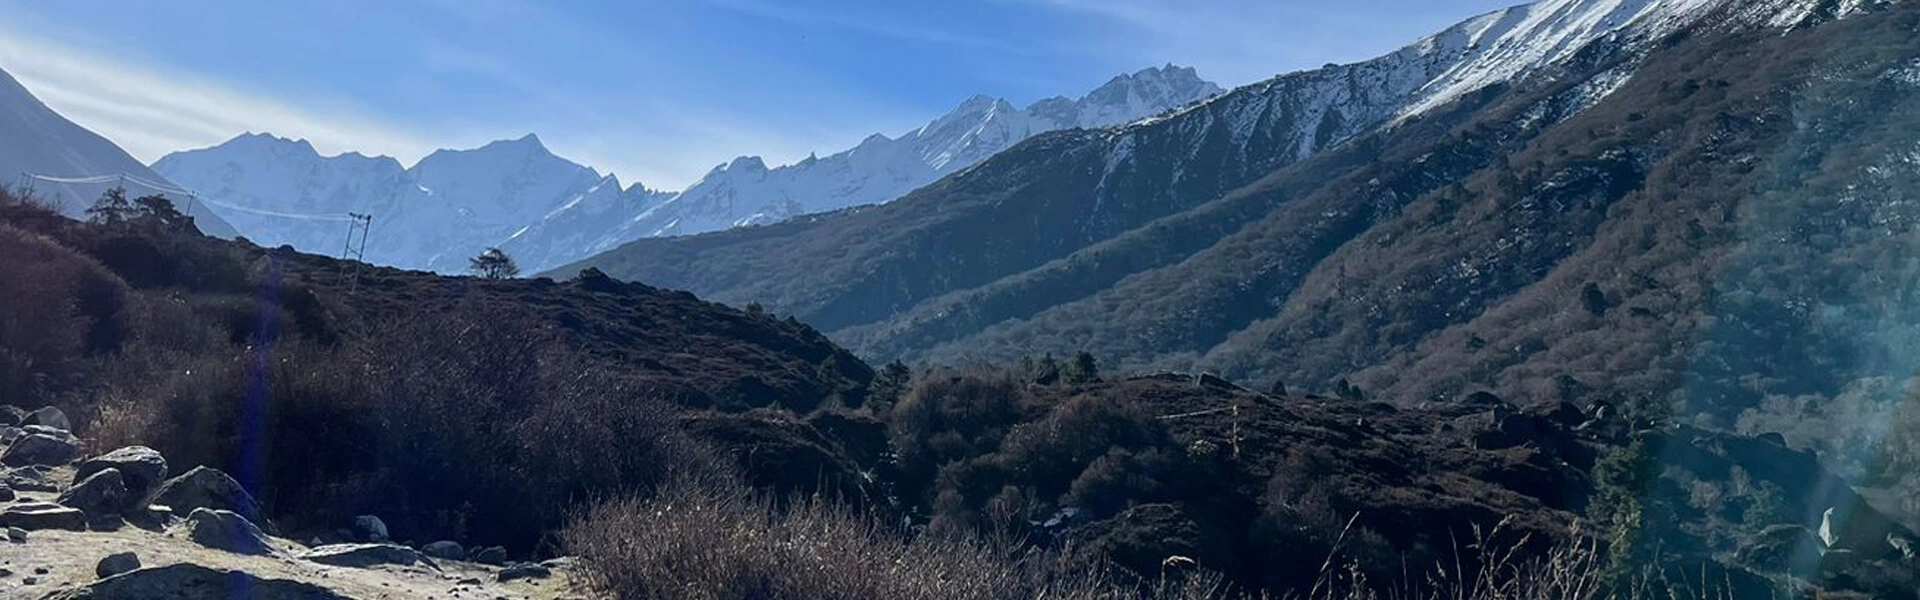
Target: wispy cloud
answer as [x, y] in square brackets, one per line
[150, 110]
[787, 13]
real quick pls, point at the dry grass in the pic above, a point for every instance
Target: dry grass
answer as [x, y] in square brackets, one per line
[711, 540]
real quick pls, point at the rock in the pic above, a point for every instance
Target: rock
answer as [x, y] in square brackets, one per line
[151, 516]
[226, 530]
[448, 550]
[39, 449]
[6, 494]
[37, 478]
[205, 487]
[141, 468]
[189, 581]
[367, 555]
[104, 493]
[115, 564]
[11, 415]
[40, 516]
[16, 535]
[491, 555]
[48, 417]
[523, 571]
[370, 528]
[561, 563]
[9, 433]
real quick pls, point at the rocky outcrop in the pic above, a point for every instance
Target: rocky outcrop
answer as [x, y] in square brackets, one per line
[142, 469]
[40, 449]
[103, 493]
[205, 487]
[367, 555]
[190, 581]
[225, 530]
[40, 515]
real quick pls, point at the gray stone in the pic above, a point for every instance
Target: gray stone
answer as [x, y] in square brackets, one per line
[523, 571]
[39, 515]
[16, 535]
[446, 549]
[39, 449]
[187, 581]
[49, 417]
[491, 555]
[11, 415]
[115, 564]
[141, 468]
[226, 530]
[205, 487]
[367, 555]
[6, 493]
[38, 478]
[10, 433]
[370, 528]
[104, 493]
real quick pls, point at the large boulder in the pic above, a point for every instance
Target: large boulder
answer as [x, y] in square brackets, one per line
[103, 493]
[205, 487]
[369, 528]
[39, 449]
[518, 571]
[39, 515]
[225, 530]
[48, 417]
[187, 581]
[491, 555]
[141, 468]
[367, 555]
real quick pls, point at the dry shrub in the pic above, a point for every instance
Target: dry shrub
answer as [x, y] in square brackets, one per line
[710, 540]
[60, 307]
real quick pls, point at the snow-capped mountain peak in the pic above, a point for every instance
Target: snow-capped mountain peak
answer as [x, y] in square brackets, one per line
[746, 191]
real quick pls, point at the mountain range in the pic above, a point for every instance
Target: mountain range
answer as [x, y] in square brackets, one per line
[68, 166]
[546, 211]
[1537, 201]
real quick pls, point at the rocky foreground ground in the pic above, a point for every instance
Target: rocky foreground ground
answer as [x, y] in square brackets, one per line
[116, 525]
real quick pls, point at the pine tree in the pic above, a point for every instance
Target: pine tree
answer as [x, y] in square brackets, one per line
[112, 208]
[1083, 369]
[159, 209]
[493, 264]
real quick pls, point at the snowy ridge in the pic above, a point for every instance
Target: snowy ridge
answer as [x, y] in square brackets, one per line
[1292, 116]
[746, 192]
[434, 215]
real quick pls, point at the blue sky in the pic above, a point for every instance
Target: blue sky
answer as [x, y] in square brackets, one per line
[656, 91]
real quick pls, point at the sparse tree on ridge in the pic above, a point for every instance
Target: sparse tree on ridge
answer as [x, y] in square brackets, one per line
[112, 208]
[493, 263]
[1083, 369]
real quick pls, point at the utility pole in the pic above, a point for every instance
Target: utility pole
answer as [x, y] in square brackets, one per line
[351, 257]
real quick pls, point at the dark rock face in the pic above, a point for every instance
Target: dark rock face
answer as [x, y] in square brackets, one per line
[204, 487]
[11, 415]
[102, 493]
[141, 468]
[115, 564]
[186, 581]
[38, 516]
[224, 530]
[39, 449]
[366, 555]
